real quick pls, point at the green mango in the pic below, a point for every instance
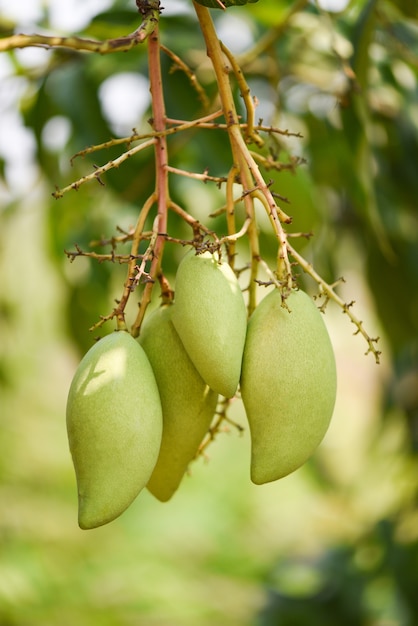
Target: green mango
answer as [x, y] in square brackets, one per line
[288, 384]
[210, 317]
[188, 403]
[114, 425]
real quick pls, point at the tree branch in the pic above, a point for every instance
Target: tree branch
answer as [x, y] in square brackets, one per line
[150, 15]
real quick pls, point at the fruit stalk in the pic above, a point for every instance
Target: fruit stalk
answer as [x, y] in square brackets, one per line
[214, 52]
[250, 175]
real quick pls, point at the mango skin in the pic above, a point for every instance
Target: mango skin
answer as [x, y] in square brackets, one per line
[188, 403]
[288, 384]
[211, 319]
[114, 425]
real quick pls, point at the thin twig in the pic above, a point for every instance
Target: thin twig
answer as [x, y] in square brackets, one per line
[180, 127]
[202, 177]
[330, 293]
[113, 164]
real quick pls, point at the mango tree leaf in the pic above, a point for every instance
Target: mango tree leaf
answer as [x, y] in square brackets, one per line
[112, 23]
[356, 119]
[213, 4]
[272, 12]
[408, 8]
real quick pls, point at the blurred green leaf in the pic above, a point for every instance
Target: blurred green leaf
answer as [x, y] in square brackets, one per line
[409, 9]
[112, 23]
[213, 4]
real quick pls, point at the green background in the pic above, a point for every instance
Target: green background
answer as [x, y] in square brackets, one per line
[336, 543]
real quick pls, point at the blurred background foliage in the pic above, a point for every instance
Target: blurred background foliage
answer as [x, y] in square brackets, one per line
[336, 543]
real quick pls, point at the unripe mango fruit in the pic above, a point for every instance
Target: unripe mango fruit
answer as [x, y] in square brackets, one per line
[188, 403]
[114, 424]
[288, 384]
[211, 319]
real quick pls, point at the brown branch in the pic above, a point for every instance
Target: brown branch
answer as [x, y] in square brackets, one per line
[161, 161]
